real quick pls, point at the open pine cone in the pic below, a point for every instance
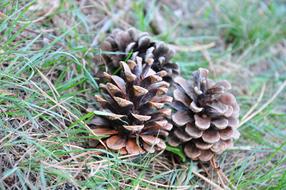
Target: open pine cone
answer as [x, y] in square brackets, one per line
[135, 117]
[132, 43]
[207, 116]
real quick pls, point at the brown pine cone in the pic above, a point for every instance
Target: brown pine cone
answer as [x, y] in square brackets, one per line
[129, 44]
[207, 116]
[135, 116]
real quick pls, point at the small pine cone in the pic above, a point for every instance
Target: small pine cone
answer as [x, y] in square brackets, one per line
[132, 43]
[207, 116]
[135, 119]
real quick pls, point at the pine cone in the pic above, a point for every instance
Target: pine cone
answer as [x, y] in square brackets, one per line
[207, 116]
[132, 43]
[135, 119]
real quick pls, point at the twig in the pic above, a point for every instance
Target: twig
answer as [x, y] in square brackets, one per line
[205, 169]
[221, 175]
[208, 181]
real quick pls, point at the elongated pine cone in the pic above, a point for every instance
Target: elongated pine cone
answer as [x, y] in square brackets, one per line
[132, 43]
[135, 116]
[207, 116]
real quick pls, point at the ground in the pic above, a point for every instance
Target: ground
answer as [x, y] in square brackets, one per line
[47, 86]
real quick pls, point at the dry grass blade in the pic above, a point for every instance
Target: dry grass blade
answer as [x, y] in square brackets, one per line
[161, 185]
[209, 60]
[280, 89]
[194, 48]
[72, 114]
[256, 103]
[50, 84]
[45, 8]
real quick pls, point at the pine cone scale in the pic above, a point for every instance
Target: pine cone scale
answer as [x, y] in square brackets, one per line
[191, 151]
[193, 131]
[220, 123]
[104, 131]
[132, 147]
[181, 118]
[226, 133]
[211, 136]
[116, 142]
[206, 155]
[201, 122]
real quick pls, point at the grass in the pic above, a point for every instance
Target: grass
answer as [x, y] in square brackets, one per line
[47, 85]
